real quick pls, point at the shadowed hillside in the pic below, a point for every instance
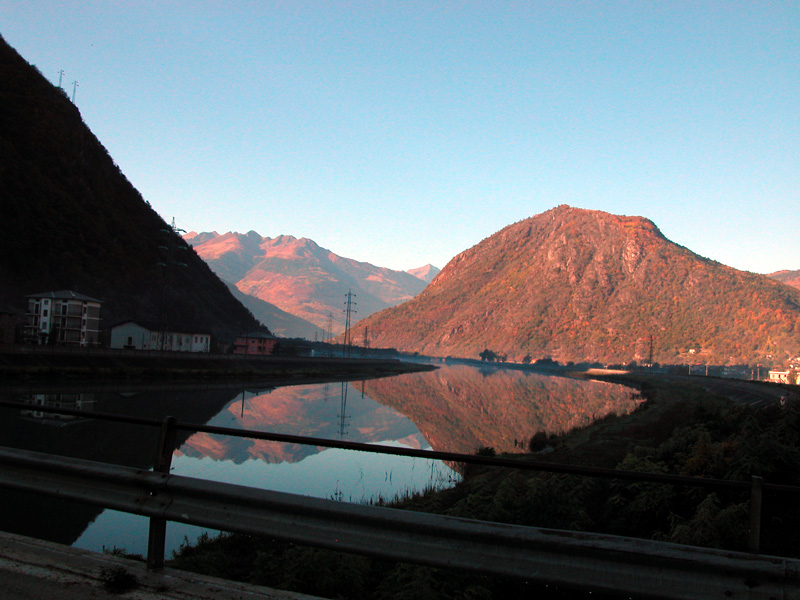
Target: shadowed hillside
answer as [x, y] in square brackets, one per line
[71, 220]
[579, 285]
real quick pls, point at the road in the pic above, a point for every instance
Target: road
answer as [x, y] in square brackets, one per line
[758, 394]
[33, 569]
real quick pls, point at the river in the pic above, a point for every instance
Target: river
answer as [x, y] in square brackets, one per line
[455, 408]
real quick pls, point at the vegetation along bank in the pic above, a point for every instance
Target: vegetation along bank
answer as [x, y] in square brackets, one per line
[683, 429]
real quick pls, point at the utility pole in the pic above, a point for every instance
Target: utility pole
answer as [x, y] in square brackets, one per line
[349, 309]
[651, 352]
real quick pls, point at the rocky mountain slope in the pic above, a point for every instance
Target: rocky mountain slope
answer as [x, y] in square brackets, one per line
[301, 278]
[581, 285]
[72, 220]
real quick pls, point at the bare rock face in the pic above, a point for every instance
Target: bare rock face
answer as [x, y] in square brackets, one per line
[581, 285]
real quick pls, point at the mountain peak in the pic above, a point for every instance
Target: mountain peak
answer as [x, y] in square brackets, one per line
[304, 279]
[426, 273]
[577, 284]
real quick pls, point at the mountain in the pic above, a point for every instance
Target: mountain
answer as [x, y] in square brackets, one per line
[301, 278]
[71, 220]
[426, 273]
[281, 323]
[788, 277]
[581, 285]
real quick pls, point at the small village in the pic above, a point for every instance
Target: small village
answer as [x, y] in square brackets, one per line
[69, 319]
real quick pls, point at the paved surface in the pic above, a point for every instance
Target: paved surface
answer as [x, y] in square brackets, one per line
[37, 570]
[758, 394]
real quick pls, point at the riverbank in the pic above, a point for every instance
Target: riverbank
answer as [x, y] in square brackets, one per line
[688, 426]
[60, 365]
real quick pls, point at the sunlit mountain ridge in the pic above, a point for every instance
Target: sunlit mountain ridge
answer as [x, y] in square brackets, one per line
[301, 278]
[583, 285]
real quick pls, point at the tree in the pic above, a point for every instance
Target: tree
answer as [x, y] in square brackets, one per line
[488, 356]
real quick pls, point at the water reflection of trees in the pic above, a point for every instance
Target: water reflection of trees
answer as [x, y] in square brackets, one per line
[461, 409]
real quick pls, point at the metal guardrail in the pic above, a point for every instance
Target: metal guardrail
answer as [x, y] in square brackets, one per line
[595, 562]
[163, 456]
[164, 497]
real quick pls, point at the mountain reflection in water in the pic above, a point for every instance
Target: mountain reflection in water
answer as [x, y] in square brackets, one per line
[455, 408]
[460, 408]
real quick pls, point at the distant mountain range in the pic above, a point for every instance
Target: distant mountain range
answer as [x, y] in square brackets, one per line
[581, 285]
[300, 278]
[569, 284]
[71, 220]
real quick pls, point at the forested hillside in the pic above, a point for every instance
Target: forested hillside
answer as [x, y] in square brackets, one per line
[581, 285]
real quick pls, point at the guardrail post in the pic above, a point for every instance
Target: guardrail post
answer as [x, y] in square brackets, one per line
[756, 492]
[161, 464]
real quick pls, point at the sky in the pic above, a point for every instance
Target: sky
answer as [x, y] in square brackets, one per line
[402, 133]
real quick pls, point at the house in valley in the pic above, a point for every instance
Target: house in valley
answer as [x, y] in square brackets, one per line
[135, 335]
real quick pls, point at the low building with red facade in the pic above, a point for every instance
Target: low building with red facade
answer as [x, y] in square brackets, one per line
[256, 343]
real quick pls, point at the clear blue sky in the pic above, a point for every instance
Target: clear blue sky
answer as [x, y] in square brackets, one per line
[401, 133]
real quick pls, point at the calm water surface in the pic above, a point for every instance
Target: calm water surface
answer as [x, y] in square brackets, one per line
[455, 408]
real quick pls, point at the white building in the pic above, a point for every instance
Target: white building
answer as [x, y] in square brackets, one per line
[784, 377]
[63, 318]
[138, 336]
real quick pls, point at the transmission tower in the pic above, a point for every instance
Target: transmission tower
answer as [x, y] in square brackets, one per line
[348, 310]
[74, 89]
[366, 337]
[343, 424]
[60, 77]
